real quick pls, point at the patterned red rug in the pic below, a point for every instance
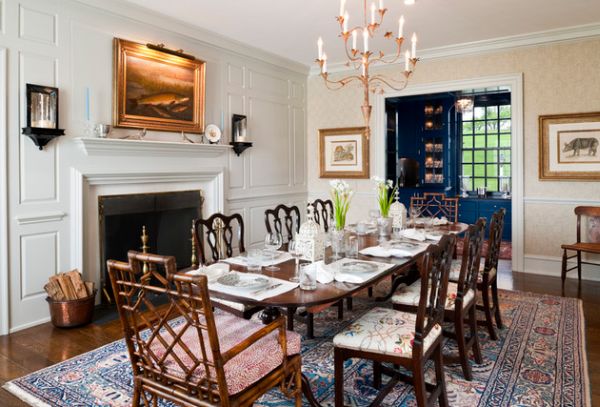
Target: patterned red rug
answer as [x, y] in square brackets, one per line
[505, 249]
[539, 359]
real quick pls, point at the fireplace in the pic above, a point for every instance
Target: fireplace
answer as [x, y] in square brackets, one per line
[166, 216]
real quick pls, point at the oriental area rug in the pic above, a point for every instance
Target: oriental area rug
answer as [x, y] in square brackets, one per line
[539, 360]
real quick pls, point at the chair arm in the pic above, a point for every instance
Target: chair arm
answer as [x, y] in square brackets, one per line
[279, 324]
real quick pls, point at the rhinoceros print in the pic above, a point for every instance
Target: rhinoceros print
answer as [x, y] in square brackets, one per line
[580, 143]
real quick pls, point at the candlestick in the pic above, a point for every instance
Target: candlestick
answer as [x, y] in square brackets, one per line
[414, 45]
[320, 47]
[365, 40]
[354, 35]
[401, 27]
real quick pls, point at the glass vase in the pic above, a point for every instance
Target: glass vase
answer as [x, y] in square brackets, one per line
[384, 224]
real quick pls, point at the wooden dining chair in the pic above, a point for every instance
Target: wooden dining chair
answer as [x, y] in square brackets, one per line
[323, 213]
[579, 246]
[219, 237]
[284, 220]
[402, 338]
[182, 352]
[487, 281]
[437, 205]
[460, 301]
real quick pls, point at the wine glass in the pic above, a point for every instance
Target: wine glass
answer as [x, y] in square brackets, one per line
[374, 215]
[295, 251]
[414, 214]
[273, 242]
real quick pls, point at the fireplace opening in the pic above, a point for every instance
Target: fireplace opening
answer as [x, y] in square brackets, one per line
[166, 216]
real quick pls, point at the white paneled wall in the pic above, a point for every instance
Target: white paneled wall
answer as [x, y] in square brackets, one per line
[68, 44]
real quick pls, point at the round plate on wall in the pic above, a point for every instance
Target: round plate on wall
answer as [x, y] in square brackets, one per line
[212, 133]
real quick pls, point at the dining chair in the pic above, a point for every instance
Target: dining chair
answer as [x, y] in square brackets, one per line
[460, 301]
[284, 220]
[437, 205]
[182, 352]
[402, 338]
[487, 280]
[219, 237]
[323, 213]
[579, 246]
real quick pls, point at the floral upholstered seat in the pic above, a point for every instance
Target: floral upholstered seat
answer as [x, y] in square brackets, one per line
[455, 271]
[410, 295]
[244, 369]
[384, 331]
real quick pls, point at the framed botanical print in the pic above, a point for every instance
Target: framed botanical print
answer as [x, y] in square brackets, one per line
[157, 90]
[569, 146]
[343, 153]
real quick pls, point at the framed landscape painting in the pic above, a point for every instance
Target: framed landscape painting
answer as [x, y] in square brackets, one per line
[156, 90]
[570, 147]
[343, 153]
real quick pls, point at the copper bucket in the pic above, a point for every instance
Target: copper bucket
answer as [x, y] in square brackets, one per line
[71, 313]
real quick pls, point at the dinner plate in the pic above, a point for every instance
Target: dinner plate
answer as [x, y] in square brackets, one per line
[404, 245]
[358, 267]
[240, 280]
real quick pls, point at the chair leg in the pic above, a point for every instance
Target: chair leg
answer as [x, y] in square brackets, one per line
[496, 303]
[291, 311]
[459, 327]
[370, 291]
[485, 296]
[440, 380]
[563, 273]
[349, 303]
[474, 337]
[136, 393]
[579, 265]
[298, 398]
[376, 374]
[338, 362]
[310, 325]
[340, 306]
[419, 382]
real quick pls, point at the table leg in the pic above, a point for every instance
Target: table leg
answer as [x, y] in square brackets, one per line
[291, 311]
[307, 391]
[269, 314]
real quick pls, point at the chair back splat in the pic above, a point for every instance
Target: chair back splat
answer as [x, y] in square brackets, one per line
[217, 237]
[323, 213]
[436, 204]
[494, 240]
[471, 259]
[284, 220]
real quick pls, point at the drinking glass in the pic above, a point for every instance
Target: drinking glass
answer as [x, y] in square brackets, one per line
[296, 251]
[374, 214]
[337, 242]
[352, 247]
[308, 276]
[414, 214]
[272, 244]
[254, 260]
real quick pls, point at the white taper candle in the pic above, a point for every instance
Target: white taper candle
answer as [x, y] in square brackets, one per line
[414, 45]
[365, 40]
[401, 27]
[320, 47]
[354, 36]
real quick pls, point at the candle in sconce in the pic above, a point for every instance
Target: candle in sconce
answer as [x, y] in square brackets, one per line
[345, 25]
[365, 40]
[324, 63]
[372, 13]
[87, 104]
[320, 47]
[414, 45]
[342, 7]
[401, 27]
[407, 61]
[380, 4]
[354, 35]
[222, 121]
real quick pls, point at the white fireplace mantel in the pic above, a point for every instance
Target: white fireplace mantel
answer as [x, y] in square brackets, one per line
[111, 147]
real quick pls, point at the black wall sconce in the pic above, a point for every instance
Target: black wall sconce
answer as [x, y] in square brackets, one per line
[239, 135]
[42, 114]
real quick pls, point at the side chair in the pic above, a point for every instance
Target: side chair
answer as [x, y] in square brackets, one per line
[436, 204]
[403, 338]
[184, 353]
[284, 220]
[323, 212]
[579, 246]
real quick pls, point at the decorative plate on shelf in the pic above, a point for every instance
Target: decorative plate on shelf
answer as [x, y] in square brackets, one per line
[212, 133]
[359, 267]
[244, 281]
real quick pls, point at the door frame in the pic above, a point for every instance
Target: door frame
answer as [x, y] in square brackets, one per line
[515, 82]
[4, 294]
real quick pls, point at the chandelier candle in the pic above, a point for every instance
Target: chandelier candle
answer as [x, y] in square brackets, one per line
[360, 61]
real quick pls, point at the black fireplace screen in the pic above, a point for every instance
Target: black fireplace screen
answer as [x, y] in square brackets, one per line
[167, 217]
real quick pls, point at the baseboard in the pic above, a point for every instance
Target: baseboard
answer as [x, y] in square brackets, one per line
[551, 266]
[29, 325]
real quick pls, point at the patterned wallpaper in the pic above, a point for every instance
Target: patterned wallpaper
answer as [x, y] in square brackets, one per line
[558, 78]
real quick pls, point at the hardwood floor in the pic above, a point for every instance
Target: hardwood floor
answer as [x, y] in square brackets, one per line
[35, 348]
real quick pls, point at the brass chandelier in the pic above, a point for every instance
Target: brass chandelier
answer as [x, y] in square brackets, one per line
[361, 60]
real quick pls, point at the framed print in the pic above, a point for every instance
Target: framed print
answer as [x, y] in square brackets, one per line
[343, 153]
[569, 147]
[157, 90]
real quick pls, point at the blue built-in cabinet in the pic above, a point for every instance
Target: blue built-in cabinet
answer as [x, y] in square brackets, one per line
[471, 209]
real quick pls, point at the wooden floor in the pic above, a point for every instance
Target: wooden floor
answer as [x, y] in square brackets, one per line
[35, 348]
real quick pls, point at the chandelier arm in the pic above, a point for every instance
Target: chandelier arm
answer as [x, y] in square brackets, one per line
[381, 58]
[340, 83]
[401, 83]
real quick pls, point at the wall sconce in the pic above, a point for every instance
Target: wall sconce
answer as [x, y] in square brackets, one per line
[42, 114]
[239, 133]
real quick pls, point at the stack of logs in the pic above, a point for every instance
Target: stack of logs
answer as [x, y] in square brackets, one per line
[68, 286]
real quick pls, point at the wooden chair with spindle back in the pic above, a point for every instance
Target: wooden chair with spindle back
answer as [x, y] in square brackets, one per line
[219, 237]
[403, 338]
[436, 205]
[182, 352]
[323, 212]
[579, 246]
[284, 220]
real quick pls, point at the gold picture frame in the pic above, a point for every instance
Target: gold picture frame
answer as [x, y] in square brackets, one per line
[569, 147]
[344, 153]
[157, 90]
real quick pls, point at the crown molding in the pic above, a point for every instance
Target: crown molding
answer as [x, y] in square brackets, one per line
[492, 45]
[191, 33]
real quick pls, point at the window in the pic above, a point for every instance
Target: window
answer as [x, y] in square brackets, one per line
[486, 145]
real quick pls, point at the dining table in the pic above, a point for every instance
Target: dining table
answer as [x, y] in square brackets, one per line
[401, 270]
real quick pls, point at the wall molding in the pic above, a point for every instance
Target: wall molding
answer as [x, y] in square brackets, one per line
[4, 291]
[257, 196]
[493, 45]
[40, 218]
[560, 201]
[551, 266]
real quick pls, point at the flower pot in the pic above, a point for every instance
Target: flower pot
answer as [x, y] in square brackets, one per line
[385, 227]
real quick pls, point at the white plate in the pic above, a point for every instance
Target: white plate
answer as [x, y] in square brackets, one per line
[358, 267]
[404, 245]
[212, 133]
[240, 280]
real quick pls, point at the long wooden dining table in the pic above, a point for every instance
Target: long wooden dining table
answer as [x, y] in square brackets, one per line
[334, 291]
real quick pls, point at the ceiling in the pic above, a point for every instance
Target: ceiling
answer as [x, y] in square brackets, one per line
[290, 28]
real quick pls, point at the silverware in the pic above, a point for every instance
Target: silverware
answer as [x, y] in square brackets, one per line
[266, 288]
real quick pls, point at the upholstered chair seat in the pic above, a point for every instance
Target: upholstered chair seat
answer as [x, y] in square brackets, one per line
[409, 295]
[455, 272]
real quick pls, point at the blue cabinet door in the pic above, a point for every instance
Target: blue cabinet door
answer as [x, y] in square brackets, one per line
[471, 209]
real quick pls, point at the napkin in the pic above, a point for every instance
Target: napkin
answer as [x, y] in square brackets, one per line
[440, 221]
[280, 257]
[420, 235]
[326, 273]
[275, 287]
[389, 250]
[212, 272]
